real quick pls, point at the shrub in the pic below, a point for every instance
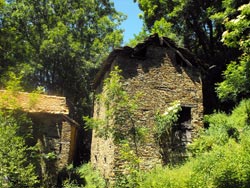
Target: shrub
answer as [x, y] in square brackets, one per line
[221, 156]
[90, 178]
[16, 170]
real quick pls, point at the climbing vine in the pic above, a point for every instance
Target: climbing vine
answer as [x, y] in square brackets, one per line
[120, 109]
[164, 122]
[120, 123]
[164, 131]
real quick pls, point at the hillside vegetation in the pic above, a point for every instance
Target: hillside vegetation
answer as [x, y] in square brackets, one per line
[57, 46]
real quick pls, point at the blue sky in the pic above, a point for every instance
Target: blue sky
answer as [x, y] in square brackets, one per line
[132, 25]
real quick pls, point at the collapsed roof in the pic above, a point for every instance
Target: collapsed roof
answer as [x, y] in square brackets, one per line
[138, 51]
[33, 103]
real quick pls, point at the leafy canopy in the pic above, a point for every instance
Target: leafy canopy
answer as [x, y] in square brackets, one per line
[58, 44]
[196, 24]
[236, 82]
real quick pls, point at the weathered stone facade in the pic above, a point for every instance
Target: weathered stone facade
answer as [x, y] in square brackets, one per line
[163, 73]
[53, 131]
[56, 136]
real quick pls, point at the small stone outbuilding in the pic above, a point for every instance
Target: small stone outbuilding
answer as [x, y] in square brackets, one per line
[52, 130]
[163, 73]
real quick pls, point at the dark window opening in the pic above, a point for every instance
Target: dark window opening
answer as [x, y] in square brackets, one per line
[173, 145]
[184, 120]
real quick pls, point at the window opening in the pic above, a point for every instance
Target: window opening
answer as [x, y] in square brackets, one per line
[184, 120]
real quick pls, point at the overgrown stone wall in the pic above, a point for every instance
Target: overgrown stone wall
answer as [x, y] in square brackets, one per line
[102, 150]
[53, 134]
[161, 78]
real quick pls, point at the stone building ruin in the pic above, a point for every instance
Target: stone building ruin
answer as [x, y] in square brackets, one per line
[53, 131]
[163, 73]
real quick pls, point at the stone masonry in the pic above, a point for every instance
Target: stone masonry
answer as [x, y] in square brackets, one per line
[53, 131]
[162, 73]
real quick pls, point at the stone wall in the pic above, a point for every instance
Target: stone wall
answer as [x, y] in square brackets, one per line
[53, 134]
[102, 150]
[161, 77]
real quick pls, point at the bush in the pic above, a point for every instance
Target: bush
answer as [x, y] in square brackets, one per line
[90, 178]
[16, 170]
[221, 156]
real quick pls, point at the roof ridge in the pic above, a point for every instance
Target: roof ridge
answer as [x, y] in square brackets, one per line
[40, 103]
[138, 50]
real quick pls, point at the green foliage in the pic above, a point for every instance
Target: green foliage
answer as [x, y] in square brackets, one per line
[164, 28]
[221, 156]
[13, 78]
[225, 166]
[96, 124]
[222, 159]
[176, 19]
[237, 34]
[166, 177]
[140, 37]
[16, 169]
[120, 124]
[165, 122]
[2, 3]
[57, 45]
[50, 156]
[14, 82]
[131, 166]
[62, 43]
[70, 184]
[120, 110]
[236, 82]
[90, 177]
[222, 128]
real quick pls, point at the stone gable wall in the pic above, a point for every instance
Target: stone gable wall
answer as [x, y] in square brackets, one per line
[161, 79]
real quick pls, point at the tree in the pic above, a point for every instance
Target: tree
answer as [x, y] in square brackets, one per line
[16, 170]
[237, 75]
[198, 26]
[192, 21]
[59, 45]
[17, 158]
[140, 37]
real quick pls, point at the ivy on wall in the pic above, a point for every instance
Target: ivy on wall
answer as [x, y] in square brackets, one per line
[120, 124]
[164, 122]
[164, 131]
